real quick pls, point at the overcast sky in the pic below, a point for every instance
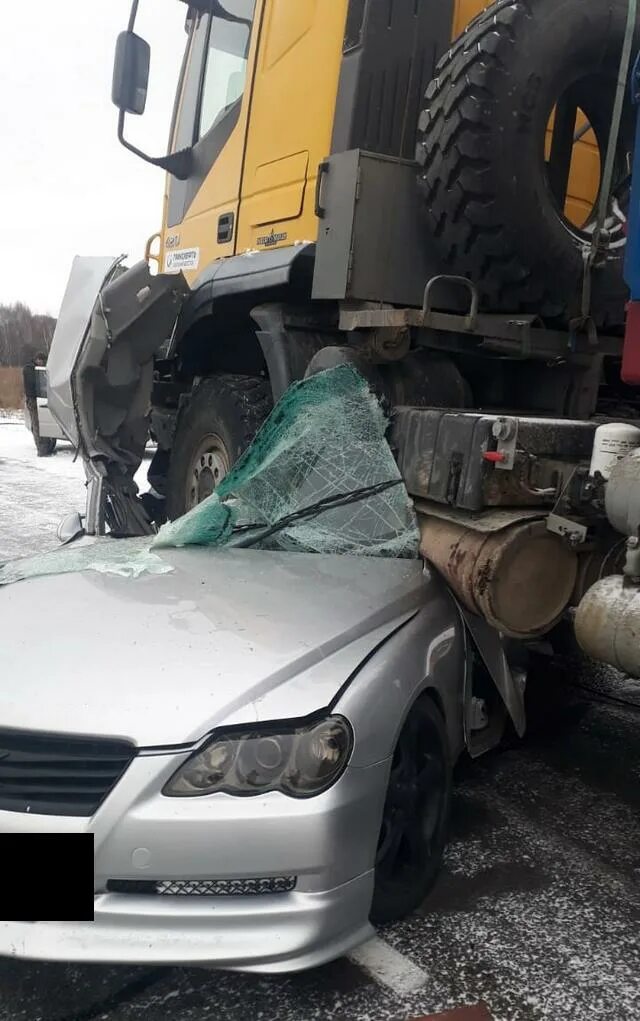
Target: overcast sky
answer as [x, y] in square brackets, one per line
[66, 185]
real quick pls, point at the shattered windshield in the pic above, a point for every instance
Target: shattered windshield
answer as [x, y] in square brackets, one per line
[320, 477]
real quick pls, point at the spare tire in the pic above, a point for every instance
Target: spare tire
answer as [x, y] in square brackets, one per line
[494, 203]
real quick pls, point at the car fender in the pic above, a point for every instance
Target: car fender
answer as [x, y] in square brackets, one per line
[427, 654]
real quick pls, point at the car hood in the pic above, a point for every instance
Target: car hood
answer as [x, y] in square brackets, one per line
[228, 637]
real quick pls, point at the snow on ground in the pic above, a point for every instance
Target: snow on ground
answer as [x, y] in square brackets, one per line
[36, 492]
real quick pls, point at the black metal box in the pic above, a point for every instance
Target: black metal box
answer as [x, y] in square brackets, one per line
[372, 245]
[442, 457]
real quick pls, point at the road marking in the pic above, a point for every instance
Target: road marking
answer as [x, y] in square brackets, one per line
[388, 967]
[477, 1013]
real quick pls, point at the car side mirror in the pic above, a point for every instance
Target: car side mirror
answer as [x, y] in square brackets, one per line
[70, 528]
[131, 73]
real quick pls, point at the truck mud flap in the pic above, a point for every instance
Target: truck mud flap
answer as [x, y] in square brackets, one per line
[490, 646]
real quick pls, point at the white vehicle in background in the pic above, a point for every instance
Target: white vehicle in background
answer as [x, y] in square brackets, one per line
[50, 430]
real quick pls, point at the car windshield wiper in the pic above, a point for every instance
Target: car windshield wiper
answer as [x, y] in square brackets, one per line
[305, 513]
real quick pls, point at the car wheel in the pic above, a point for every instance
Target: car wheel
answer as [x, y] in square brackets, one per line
[46, 446]
[415, 817]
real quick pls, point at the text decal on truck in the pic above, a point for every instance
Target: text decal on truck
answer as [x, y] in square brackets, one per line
[269, 240]
[182, 259]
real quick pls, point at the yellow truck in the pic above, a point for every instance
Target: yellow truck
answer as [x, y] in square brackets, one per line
[434, 193]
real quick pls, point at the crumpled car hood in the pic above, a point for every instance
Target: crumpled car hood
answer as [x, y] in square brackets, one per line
[231, 636]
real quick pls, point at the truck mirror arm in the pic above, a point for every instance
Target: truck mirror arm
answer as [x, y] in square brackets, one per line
[179, 164]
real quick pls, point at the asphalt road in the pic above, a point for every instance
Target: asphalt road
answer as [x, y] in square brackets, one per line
[536, 915]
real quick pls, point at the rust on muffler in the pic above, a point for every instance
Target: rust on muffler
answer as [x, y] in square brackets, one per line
[520, 578]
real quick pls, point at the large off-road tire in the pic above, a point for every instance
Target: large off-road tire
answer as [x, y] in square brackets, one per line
[488, 192]
[219, 423]
[416, 815]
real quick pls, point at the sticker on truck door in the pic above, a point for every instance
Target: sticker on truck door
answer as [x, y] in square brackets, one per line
[181, 259]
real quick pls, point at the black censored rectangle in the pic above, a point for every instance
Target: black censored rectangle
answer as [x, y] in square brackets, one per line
[46, 877]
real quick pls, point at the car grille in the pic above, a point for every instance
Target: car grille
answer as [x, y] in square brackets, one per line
[205, 887]
[51, 775]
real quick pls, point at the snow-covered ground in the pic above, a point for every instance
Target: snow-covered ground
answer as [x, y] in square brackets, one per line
[36, 492]
[8, 415]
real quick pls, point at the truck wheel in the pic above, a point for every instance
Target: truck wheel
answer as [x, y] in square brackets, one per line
[416, 814]
[496, 167]
[219, 423]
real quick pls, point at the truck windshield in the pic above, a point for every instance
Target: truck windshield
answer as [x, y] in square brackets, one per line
[225, 71]
[214, 74]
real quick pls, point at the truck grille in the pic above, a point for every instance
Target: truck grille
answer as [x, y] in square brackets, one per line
[51, 775]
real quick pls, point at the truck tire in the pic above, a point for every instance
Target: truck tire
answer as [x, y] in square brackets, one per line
[214, 429]
[485, 183]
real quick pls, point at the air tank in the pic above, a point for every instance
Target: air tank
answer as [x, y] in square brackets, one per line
[622, 499]
[607, 624]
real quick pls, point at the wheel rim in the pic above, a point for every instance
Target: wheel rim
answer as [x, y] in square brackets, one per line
[560, 166]
[209, 466]
[415, 803]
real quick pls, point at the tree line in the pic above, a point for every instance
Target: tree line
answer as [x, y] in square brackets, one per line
[23, 334]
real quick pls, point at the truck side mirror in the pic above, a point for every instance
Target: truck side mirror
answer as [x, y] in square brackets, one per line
[131, 73]
[129, 94]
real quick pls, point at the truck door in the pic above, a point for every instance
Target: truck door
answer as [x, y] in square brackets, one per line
[201, 213]
[292, 117]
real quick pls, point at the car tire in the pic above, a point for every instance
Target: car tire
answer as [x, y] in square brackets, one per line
[494, 205]
[214, 429]
[416, 815]
[46, 446]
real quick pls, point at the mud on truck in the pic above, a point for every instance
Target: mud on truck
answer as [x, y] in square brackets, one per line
[437, 195]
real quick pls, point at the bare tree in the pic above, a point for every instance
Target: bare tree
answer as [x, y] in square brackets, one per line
[23, 334]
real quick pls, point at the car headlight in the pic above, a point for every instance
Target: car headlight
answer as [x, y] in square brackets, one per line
[300, 762]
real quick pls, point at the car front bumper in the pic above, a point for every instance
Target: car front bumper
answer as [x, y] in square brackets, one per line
[280, 933]
[327, 843]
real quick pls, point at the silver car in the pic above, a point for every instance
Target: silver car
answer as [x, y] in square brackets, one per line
[261, 742]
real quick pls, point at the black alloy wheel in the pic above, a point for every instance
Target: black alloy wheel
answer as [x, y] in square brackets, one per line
[415, 818]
